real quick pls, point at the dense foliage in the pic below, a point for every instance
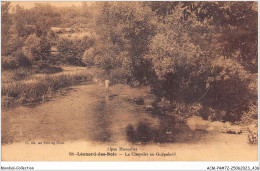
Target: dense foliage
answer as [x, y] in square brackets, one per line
[191, 53]
[195, 52]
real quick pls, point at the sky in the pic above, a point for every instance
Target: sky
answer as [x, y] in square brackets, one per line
[30, 4]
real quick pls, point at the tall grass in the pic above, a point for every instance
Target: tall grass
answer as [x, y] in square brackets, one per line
[40, 88]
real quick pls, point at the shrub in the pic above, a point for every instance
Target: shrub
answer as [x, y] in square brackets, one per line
[117, 76]
[37, 48]
[228, 89]
[9, 63]
[88, 56]
[32, 47]
[22, 59]
[45, 68]
[20, 74]
[71, 50]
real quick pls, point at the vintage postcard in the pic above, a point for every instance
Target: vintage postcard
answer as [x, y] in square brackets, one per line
[129, 81]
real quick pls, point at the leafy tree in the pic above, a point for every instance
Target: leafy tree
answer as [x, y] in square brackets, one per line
[43, 16]
[5, 26]
[88, 56]
[235, 26]
[21, 20]
[71, 50]
[125, 30]
[36, 20]
[228, 89]
[190, 62]
[239, 34]
[36, 48]
[180, 63]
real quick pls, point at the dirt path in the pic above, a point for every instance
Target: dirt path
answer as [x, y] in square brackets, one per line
[87, 119]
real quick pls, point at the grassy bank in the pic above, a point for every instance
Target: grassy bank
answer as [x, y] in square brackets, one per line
[40, 87]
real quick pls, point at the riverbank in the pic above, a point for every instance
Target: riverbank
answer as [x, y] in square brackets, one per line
[40, 87]
[89, 119]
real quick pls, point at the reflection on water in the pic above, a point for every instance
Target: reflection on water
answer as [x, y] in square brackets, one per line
[90, 114]
[138, 129]
[145, 133]
[86, 118]
[102, 121]
[169, 131]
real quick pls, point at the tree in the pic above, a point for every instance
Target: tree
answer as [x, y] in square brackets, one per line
[36, 20]
[36, 48]
[125, 30]
[5, 26]
[179, 61]
[43, 17]
[235, 26]
[71, 50]
[190, 61]
[239, 34]
[22, 25]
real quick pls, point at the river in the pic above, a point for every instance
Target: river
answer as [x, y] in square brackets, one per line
[87, 119]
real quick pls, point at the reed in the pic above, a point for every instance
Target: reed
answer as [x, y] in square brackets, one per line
[40, 88]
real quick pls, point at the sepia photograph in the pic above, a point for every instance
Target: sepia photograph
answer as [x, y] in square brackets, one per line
[129, 81]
